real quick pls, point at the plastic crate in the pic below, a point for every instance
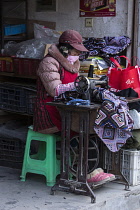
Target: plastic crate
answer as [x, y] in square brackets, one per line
[6, 64]
[11, 152]
[14, 29]
[129, 164]
[25, 66]
[12, 98]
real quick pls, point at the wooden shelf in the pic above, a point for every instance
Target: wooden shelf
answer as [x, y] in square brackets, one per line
[14, 38]
[3, 18]
[12, 74]
[12, 0]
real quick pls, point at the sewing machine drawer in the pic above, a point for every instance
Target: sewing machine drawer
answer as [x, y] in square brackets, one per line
[75, 121]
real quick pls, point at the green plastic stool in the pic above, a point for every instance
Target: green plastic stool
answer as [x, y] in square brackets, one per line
[45, 161]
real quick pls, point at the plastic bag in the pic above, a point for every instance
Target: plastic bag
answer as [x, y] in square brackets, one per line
[41, 31]
[136, 118]
[33, 48]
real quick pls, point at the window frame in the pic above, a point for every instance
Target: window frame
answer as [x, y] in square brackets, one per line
[41, 7]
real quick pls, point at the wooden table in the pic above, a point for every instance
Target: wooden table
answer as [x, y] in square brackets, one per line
[80, 185]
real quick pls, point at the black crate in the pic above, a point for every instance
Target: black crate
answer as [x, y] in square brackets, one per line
[11, 152]
[12, 98]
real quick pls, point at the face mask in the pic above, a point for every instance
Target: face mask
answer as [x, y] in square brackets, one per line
[72, 59]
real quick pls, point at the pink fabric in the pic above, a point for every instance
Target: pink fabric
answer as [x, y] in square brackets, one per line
[99, 178]
[63, 88]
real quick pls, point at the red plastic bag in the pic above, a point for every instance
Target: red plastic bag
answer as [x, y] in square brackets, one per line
[120, 79]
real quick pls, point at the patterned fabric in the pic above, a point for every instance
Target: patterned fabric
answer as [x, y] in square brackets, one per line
[42, 119]
[115, 45]
[105, 47]
[64, 87]
[113, 123]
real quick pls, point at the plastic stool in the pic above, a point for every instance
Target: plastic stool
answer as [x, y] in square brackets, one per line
[45, 161]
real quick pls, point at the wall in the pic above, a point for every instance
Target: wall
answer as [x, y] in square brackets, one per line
[138, 49]
[67, 17]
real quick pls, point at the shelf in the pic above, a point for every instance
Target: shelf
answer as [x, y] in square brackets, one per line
[14, 38]
[18, 113]
[13, 0]
[21, 37]
[11, 74]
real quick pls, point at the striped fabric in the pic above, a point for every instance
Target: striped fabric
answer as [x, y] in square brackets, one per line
[41, 118]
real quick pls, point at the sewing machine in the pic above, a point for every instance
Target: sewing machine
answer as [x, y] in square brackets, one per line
[85, 85]
[83, 89]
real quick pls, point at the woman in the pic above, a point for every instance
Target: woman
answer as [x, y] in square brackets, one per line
[56, 74]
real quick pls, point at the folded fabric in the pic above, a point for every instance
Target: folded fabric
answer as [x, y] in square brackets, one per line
[115, 45]
[105, 46]
[78, 102]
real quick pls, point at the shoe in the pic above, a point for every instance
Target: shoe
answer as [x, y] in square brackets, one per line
[112, 176]
[96, 177]
[99, 177]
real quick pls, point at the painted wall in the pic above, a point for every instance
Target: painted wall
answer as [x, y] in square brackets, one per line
[138, 49]
[67, 17]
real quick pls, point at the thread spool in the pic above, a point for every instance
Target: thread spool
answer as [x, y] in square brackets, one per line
[90, 72]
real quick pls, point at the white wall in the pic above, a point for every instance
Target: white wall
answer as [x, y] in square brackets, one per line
[67, 17]
[138, 52]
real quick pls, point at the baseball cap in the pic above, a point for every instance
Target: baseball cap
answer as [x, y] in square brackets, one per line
[73, 38]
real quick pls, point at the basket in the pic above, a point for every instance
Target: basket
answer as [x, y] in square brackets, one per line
[6, 64]
[17, 98]
[25, 66]
[12, 98]
[11, 152]
[129, 164]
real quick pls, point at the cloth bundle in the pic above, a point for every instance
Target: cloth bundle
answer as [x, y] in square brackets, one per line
[104, 47]
[113, 123]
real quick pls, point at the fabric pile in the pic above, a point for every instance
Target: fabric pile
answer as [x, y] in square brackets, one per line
[113, 123]
[105, 47]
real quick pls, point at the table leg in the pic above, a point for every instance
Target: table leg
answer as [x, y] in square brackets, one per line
[80, 185]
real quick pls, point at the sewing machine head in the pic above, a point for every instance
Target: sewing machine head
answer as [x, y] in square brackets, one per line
[85, 85]
[83, 89]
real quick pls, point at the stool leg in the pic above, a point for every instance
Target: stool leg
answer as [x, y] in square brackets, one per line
[51, 160]
[26, 155]
[45, 161]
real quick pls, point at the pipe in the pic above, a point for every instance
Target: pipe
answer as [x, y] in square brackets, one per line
[130, 24]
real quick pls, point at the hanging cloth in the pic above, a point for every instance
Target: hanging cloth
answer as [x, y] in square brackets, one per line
[113, 123]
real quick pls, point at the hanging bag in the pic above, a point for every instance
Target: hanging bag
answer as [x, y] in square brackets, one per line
[123, 78]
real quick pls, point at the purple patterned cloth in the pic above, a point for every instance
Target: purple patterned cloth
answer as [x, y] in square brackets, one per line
[115, 45]
[113, 123]
[105, 47]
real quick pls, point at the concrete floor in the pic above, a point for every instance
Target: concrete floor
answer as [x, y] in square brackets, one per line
[33, 194]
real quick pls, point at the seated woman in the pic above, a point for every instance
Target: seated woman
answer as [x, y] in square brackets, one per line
[56, 74]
